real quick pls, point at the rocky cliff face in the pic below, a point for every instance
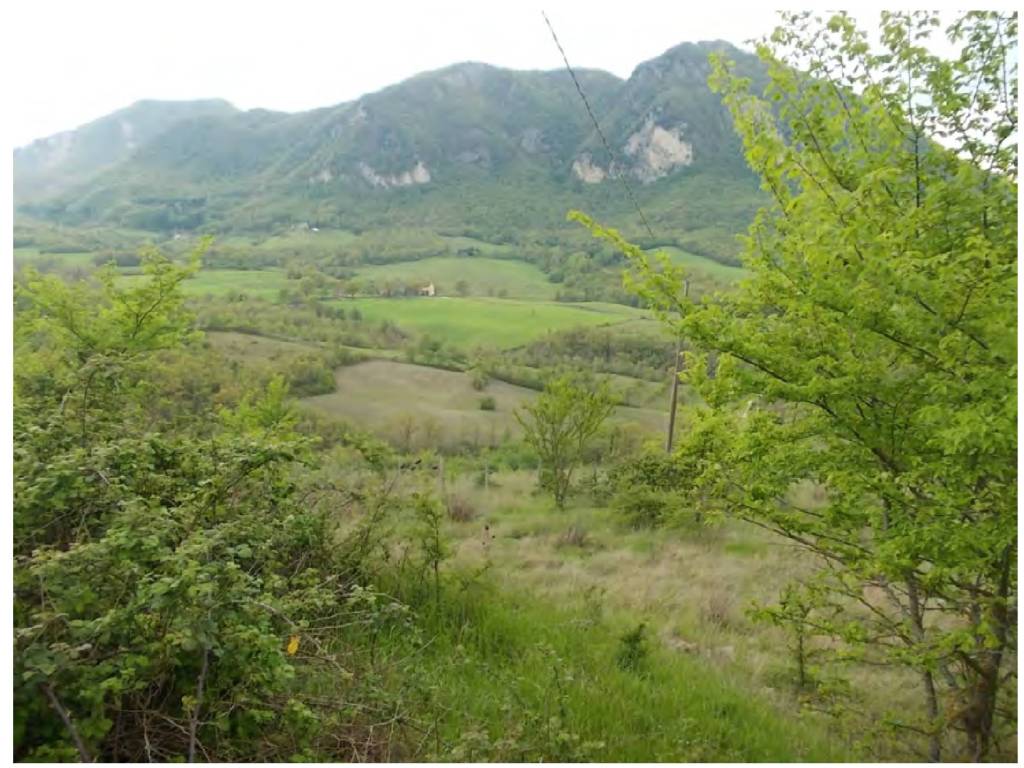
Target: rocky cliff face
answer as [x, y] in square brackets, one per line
[418, 174]
[650, 153]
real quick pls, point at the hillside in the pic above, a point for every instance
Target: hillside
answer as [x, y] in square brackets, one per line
[65, 160]
[469, 149]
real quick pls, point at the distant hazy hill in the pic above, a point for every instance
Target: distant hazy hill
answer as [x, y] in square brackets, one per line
[65, 159]
[470, 148]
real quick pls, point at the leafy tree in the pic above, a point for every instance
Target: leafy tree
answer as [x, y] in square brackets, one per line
[558, 425]
[873, 351]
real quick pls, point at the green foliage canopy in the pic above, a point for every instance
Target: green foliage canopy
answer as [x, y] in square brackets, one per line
[872, 351]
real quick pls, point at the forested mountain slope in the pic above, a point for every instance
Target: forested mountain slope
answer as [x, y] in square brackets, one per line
[470, 148]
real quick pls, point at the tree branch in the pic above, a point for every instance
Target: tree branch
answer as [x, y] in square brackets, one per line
[193, 723]
[65, 716]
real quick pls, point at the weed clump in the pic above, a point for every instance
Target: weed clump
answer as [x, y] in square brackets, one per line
[633, 650]
[575, 536]
[716, 609]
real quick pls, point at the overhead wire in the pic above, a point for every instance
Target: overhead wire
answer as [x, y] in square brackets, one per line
[636, 204]
[597, 127]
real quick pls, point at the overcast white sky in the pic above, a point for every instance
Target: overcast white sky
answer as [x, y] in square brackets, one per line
[71, 62]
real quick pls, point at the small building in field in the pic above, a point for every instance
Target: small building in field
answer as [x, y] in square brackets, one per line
[428, 290]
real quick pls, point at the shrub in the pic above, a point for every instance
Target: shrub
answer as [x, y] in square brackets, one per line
[643, 507]
[488, 403]
[646, 490]
[120, 258]
[461, 510]
[169, 578]
[479, 379]
[309, 375]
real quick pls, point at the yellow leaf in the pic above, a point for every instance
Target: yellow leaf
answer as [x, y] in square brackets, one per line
[293, 645]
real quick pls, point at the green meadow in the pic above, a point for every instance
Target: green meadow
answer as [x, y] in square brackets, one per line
[257, 283]
[499, 323]
[47, 260]
[700, 265]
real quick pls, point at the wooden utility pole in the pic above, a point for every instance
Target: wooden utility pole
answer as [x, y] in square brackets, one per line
[672, 404]
[675, 383]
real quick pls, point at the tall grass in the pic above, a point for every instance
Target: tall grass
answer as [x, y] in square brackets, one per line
[515, 679]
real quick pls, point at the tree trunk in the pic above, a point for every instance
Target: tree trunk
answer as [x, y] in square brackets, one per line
[932, 707]
[927, 679]
[979, 716]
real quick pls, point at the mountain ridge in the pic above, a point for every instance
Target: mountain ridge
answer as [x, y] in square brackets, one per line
[469, 144]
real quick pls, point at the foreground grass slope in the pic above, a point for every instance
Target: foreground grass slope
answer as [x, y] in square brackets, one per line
[581, 579]
[515, 678]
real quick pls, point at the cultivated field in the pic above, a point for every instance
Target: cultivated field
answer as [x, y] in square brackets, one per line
[258, 283]
[246, 347]
[416, 406]
[501, 323]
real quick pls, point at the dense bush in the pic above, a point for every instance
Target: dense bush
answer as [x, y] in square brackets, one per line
[309, 375]
[646, 490]
[175, 594]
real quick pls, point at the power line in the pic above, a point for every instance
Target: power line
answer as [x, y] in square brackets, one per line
[636, 204]
[611, 155]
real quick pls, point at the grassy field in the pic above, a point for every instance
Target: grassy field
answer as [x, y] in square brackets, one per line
[257, 283]
[246, 346]
[483, 276]
[701, 265]
[471, 322]
[416, 406]
[520, 679]
[692, 585]
[47, 261]
[261, 283]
